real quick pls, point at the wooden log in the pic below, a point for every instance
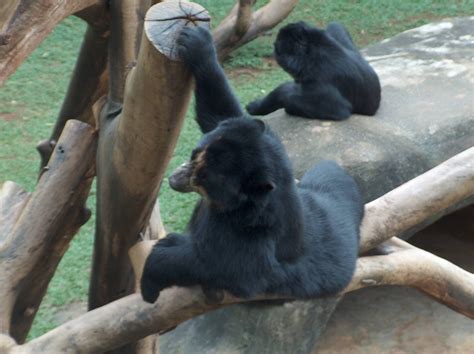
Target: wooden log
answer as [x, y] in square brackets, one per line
[408, 265]
[26, 23]
[88, 83]
[407, 206]
[12, 201]
[135, 148]
[126, 33]
[49, 218]
[89, 80]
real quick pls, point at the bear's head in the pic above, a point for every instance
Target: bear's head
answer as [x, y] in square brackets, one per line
[231, 165]
[297, 47]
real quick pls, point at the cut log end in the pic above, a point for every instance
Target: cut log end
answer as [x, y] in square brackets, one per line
[164, 22]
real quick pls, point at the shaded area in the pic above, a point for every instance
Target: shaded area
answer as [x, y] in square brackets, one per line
[400, 320]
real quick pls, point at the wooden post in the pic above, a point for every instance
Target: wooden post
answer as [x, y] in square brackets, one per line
[136, 146]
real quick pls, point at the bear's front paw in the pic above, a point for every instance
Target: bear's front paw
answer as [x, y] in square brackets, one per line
[171, 240]
[195, 45]
[150, 290]
[253, 107]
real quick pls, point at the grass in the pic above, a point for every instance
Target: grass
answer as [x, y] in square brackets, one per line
[30, 101]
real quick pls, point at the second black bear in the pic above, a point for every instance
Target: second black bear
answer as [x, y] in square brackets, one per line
[331, 78]
[254, 231]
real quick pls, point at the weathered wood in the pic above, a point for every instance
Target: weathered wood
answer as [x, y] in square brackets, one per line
[89, 79]
[410, 204]
[126, 33]
[134, 150]
[230, 33]
[407, 265]
[7, 8]
[12, 201]
[26, 23]
[49, 218]
[138, 254]
[233, 27]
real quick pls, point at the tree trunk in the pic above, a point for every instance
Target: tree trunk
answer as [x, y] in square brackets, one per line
[135, 147]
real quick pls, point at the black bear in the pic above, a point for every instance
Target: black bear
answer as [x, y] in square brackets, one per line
[254, 231]
[331, 78]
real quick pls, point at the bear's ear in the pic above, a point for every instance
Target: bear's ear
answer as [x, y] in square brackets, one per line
[266, 187]
[260, 124]
[259, 182]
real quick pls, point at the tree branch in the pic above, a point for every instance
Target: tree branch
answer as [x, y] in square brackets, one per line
[241, 26]
[234, 26]
[42, 227]
[124, 44]
[403, 264]
[408, 265]
[26, 24]
[89, 79]
[422, 200]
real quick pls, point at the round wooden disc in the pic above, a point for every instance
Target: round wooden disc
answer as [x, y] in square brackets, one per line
[164, 22]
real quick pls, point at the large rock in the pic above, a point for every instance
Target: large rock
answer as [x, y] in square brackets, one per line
[426, 116]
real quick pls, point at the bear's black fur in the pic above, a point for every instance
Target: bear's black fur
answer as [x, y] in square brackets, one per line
[254, 231]
[331, 78]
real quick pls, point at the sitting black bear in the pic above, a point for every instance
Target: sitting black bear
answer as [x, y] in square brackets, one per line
[332, 79]
[254, 231]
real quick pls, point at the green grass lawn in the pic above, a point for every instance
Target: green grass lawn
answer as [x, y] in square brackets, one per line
[30, 102]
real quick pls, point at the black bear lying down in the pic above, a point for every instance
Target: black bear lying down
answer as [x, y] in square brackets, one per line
[331, 78]
[254, 231]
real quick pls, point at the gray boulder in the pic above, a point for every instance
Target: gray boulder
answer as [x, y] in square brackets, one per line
[426, 116]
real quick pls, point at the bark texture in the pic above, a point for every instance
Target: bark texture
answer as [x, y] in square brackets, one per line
[39, 228]
[407, 265]
[242, 25]
[135, 145]
[24, 24]
[134, 150]
[450, 183]
[89, 80]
